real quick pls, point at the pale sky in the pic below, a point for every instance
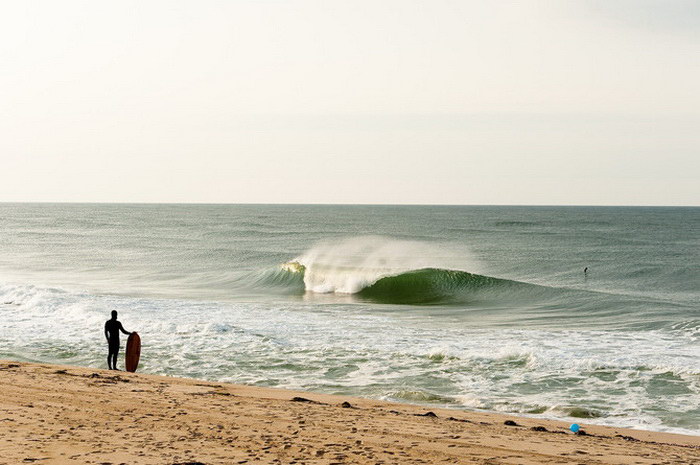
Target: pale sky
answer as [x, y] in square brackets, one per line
[431, 102]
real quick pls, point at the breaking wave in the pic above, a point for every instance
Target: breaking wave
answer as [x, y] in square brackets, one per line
[421, 286]
[384, 270]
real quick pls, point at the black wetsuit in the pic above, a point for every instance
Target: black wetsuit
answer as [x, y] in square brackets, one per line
[112, 328]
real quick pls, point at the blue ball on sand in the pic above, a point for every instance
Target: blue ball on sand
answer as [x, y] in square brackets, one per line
[575, 427]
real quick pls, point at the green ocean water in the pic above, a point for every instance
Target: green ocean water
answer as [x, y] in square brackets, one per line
[464, 307]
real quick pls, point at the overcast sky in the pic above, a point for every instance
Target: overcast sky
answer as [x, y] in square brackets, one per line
[437, 102]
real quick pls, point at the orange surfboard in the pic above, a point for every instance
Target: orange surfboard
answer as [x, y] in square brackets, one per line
[133, 352]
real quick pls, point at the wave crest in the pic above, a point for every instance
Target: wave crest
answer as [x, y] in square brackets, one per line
[352, 265]
[422, 286]
[382, 270]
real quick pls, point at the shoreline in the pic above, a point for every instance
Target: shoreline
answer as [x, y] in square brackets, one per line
[59, 414]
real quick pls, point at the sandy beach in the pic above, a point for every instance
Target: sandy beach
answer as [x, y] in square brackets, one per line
[52, 414]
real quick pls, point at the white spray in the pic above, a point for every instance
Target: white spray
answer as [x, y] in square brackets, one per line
[347, 266]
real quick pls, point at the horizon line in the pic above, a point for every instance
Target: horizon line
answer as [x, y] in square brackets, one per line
[44, 202]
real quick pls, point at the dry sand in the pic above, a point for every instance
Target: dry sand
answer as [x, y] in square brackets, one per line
[52, 414]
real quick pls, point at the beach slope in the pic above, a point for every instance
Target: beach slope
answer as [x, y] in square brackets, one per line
[51, 414]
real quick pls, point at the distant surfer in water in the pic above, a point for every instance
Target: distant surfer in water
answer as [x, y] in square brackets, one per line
[585, 270]
[112, 328]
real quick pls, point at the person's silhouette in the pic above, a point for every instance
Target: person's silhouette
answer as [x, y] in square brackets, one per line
[112, 328]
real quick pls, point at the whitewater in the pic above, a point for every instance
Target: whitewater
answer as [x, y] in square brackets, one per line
[461, 307]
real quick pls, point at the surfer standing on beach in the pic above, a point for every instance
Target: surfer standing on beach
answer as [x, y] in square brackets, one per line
[112, 328]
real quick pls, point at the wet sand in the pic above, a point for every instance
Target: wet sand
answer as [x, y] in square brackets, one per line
[52, 414]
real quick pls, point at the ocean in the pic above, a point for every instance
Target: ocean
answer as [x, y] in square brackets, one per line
[466, 307]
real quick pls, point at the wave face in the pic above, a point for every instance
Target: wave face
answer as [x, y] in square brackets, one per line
[433, 286]
[347, 266]
[383, 270]
[424, 286]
